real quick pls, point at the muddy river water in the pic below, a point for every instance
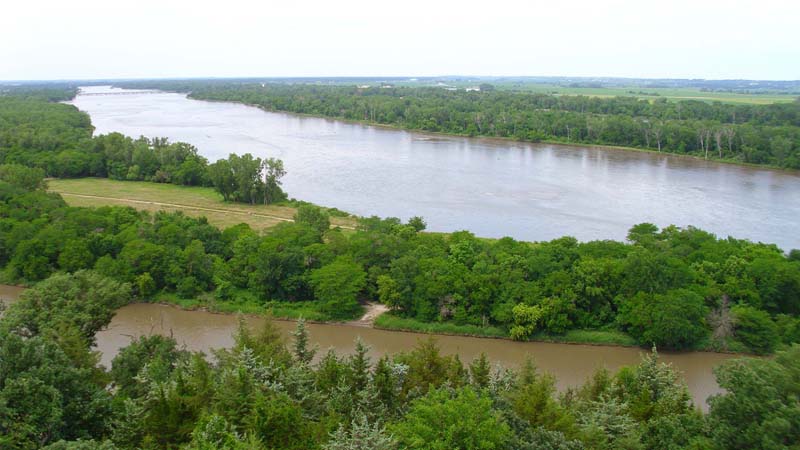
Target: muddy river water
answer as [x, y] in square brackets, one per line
[570, 364]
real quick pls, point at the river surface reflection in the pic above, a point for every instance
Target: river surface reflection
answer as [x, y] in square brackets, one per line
[492, 188]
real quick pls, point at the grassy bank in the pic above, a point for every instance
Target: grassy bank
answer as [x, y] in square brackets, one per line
[243, 304]
[391, 321]
[594, 337]
[191, 200]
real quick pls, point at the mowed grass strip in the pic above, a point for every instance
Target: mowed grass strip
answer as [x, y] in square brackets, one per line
[191, 200]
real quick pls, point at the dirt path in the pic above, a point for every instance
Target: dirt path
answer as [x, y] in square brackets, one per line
[180, 206]
[368, 319]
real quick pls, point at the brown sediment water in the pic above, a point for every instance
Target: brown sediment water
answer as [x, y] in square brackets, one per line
[571, 364]
[9, 294]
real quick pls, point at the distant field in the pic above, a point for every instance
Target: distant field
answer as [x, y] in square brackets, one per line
[672, 94]
[668, 93]
[193, 201]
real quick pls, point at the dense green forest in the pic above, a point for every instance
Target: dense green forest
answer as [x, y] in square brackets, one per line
[266, 393]
[756, 134]
[675, 288]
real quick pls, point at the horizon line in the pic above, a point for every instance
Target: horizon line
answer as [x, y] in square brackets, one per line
[378, 77]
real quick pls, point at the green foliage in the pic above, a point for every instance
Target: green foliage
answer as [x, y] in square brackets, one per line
[788, 328]
[28, 179]
[277, 422]
[81, 445]
[85, 300]
[313, 216]
[267, 343]
[463, 419]
[337, 286]
[214, 432]
[676, 432]
[427, 368]
[480, 372]
[302, 350]
[391, 321]
[57, 140]
[525, 320]
[533, 401]
[606, 425]
[417, 223]
[45, 397]
[652, 389]
[759, 408]
[158, 353]
[674, 320]
[755, 329]
[248, 179]
[361, 436]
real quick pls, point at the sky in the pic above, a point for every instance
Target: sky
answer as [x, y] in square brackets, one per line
[92, 39]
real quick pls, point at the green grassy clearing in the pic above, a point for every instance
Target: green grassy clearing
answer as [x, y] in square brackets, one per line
[191, 200]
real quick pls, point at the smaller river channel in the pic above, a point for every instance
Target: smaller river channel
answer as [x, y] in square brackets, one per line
[570, 364]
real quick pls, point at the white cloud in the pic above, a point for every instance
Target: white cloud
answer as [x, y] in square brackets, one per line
[110, 39]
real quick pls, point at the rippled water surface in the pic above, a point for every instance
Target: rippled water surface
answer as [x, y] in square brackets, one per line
[492, 188]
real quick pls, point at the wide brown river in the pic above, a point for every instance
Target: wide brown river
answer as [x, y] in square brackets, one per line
[490, 187]
[570, 364]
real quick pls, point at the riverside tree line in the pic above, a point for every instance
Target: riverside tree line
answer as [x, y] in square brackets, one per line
[756, 134]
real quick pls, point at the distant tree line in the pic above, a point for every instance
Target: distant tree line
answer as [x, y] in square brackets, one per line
[756, 134]
[267, 393]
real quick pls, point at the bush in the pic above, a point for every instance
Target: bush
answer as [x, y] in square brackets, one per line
[444, 421]
[755, 329]
[675, 320]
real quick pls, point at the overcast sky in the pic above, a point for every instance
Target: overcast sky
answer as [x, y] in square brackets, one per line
[83, 39]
